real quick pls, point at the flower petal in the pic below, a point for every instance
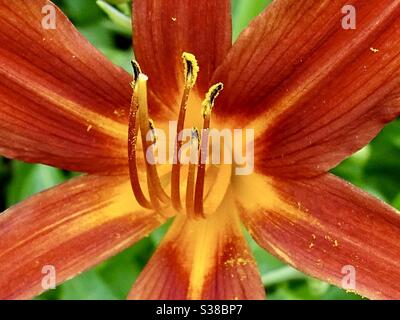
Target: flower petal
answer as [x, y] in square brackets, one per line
[202, 259]
[71, 228]
[392, 101]
[329, 229]
[163, 30]
[313, 91]
[62, 102]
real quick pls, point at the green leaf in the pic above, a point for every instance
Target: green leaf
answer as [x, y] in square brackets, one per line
[87, 286]
[28, 179]
[352, 169]
[121, 271]
[335, 293]
[265, 261]
[244, 11]
[120, 19]
[157, 235]
[117, 2]
[120, 57]
[396, 202]
[285, 273]
[383, 167]
[82, 12]
[99, 35]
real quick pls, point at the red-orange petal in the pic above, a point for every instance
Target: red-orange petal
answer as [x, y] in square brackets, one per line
[62, 102]
[329, 229]
[70, 228]
[163, 30]
[315, 91]
[201, 259]
[392, 101]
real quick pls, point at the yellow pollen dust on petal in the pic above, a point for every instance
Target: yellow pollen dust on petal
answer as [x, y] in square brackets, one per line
[268, 200]
[234, 262]
[208, 238]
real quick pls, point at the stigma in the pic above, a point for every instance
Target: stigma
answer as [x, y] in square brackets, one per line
[141, 126]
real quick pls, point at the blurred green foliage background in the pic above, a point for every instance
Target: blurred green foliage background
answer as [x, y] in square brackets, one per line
[376, 169]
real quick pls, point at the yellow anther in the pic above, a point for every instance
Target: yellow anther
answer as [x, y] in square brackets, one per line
[151, 124]
[136, 70]
[195, 135]
[153, 130]
[191, 179]
[195, 145]
[191, 69]
[209, 100]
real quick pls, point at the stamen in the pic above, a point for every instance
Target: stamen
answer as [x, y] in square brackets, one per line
[190, 186]
[153, 130]
[209, 101]
[154, 183]
[153, 196]
[207, 107]
[191, 68]
[132, 140]
[139, 120]
[136, 70]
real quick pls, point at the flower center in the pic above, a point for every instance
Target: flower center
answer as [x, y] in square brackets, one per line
[157, 198]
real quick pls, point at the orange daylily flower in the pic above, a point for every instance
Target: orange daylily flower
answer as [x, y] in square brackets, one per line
[313, 92]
